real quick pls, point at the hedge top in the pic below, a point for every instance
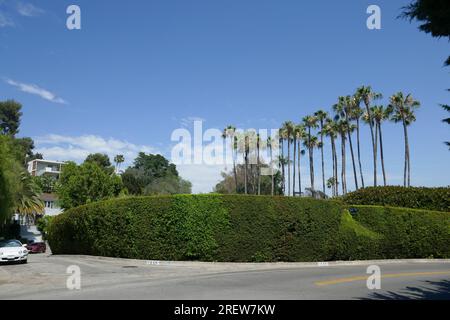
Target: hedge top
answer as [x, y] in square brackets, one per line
[437, 199]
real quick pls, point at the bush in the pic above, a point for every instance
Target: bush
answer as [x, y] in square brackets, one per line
[203, 227]
[407, 233]
[418, 198]
[240, 228]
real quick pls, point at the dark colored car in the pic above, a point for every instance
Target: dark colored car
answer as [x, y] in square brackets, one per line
[37, 247]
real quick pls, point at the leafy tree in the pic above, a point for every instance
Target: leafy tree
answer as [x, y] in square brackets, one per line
[79, 185]
[9, 179]
[434, 16]
[102, 160]
[43, 224]
[10, 117]
[168, 185]
[150, 171]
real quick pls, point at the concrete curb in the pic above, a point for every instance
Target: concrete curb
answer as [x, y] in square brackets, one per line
[265, 265]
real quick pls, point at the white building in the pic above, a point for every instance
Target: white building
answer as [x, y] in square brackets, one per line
[38, 168]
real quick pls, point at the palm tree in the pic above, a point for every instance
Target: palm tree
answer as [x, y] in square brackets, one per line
[258, 164]
[288, 128]
[28, 202]
[381, 114]
[403, 111]
[310, 122]
[294, 157]
[344, 109]
[330, 131]
[282, 162]
[119, 159]
[270, 147]
[367, 95]
[356, 114]
[342, 128]
[321, 117]
[311, 143]
[243, 142]
[300, 134]
[230, 132]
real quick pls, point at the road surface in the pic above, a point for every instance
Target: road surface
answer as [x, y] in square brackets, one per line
[45, 277]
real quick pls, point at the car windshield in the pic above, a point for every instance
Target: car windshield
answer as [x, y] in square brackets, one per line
[10, 244]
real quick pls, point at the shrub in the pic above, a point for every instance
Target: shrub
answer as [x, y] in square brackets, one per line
[240, 228]
[203, 227]
[407, 233]
[418, 198]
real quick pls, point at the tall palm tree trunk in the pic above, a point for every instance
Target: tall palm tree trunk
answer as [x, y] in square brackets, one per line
[271, 170]
[382, 154]
[343, 165]
[311, 167]
[374, 145]
[355, 177]
[407, 171]
[289, 165]
[283, 176]
[335, 172]
[259, 170]
[293, 166]
[245, 172]
[311, 160]
[359, 153]
[323, 162]
[333, 187]
[233, 154]
[299, 167]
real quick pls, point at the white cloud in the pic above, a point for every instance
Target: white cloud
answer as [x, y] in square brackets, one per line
[5, 21]
[36, 90]
[28, 10]
[77, 148]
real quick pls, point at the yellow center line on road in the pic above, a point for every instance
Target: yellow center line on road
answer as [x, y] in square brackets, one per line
[393, 275]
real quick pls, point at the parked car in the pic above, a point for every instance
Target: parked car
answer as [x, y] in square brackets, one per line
[37, 247]
[13, 251]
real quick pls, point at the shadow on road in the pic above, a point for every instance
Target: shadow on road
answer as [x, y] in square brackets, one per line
[431, 290]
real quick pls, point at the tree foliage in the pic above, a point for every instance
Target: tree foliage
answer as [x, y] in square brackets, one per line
[10, 117]
[86, 183]
[434, 16]
[102, 160]
[154, 174]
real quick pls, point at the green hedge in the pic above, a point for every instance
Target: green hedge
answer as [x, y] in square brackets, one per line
[407, 233]
[246, 228]
[418, 198]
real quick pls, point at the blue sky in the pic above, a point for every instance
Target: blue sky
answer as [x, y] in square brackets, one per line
[140, 69]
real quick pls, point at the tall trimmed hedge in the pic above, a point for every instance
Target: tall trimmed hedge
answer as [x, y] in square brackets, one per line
[407, 233]
[200, 227]
[247, 228]
[437, 199]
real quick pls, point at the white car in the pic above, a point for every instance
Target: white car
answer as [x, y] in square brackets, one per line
[13, 251]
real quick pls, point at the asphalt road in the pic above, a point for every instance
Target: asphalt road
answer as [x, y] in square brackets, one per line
[45, 277]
